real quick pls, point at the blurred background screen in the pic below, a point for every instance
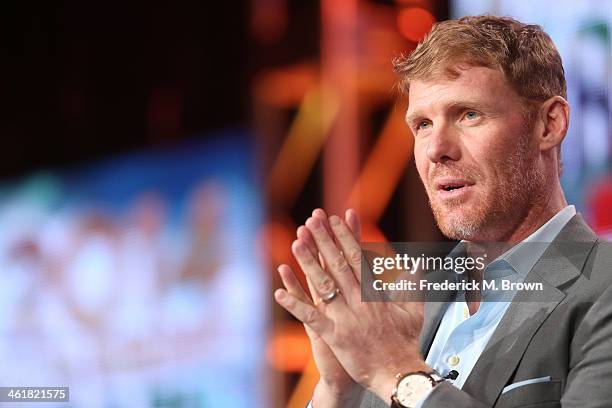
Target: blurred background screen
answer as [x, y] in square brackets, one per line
[134, 279]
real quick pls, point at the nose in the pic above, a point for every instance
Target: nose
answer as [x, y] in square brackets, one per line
[443, 144]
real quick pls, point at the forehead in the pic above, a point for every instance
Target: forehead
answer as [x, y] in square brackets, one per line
[483, 86]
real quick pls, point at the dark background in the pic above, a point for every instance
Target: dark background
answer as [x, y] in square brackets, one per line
[82, 80]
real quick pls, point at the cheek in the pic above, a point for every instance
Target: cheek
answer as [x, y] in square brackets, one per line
[485, 151]
[422, 163]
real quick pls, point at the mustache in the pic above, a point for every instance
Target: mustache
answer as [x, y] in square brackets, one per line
[470, 173]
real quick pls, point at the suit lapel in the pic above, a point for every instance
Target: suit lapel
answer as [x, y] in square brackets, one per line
[561, 263]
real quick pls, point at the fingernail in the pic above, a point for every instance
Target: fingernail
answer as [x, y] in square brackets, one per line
[334, 220]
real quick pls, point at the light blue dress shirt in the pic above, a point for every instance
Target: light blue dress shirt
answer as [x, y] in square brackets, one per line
[461, 338]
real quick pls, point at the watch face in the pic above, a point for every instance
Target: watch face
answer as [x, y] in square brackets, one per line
[412, 388]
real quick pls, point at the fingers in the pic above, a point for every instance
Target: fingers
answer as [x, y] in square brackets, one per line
[348, 244]
[350, 217]
[304, 312]
[292, 284]
[322, 281]
[316, 298]
[306, 236]
[320, 214]
[335, 261]
[352, 220]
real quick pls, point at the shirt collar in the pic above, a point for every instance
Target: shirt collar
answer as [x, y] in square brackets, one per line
[523, 256]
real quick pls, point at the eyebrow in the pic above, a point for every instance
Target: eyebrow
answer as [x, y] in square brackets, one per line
[453, 105]
[413, 117]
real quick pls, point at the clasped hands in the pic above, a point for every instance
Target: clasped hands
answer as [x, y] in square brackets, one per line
[356, 345]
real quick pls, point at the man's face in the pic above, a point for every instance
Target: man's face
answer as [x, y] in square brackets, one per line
[474, 152]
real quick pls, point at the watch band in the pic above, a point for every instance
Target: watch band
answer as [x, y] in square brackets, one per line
[437, 378]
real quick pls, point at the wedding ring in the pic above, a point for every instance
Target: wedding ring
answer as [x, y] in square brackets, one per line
[330, 296]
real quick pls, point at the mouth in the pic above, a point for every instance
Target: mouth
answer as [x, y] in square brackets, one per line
[452, 187]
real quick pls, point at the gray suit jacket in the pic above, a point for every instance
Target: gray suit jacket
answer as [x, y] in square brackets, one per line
[563, 332]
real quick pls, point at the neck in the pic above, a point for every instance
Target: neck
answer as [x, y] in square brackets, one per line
[535, 216]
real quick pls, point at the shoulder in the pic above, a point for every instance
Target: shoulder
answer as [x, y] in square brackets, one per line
[599, 261]
[591, 293]
[596, 276]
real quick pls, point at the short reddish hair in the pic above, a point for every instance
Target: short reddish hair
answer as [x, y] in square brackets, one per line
[523, 52]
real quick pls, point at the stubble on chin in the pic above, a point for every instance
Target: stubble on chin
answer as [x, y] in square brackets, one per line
[460, 223]
[457, 219]
[497, 207]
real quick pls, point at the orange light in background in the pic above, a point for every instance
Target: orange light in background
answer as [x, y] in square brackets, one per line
[275, 238]
[289, 348]
[383, 168]
[287, 87]
[302, 146]
[303, 390]
[371, 233]
[426, 4]
[414, 22]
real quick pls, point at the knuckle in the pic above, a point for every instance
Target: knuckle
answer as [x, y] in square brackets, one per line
[308, 260]
[290, 303]
[339, 264]
[345, 269]
[326, 285]
[354, 257]
[311, 316]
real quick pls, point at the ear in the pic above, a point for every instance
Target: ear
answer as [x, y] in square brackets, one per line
[554, 114]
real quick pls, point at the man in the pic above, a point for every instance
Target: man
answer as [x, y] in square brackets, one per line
[488, 111]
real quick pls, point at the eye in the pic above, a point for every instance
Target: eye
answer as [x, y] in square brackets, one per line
[471, 115]
[423, 125]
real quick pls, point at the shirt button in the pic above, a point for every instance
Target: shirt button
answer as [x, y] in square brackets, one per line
[453, 360]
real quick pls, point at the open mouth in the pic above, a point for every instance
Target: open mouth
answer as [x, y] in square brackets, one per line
[452, 185]
[451, 188]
